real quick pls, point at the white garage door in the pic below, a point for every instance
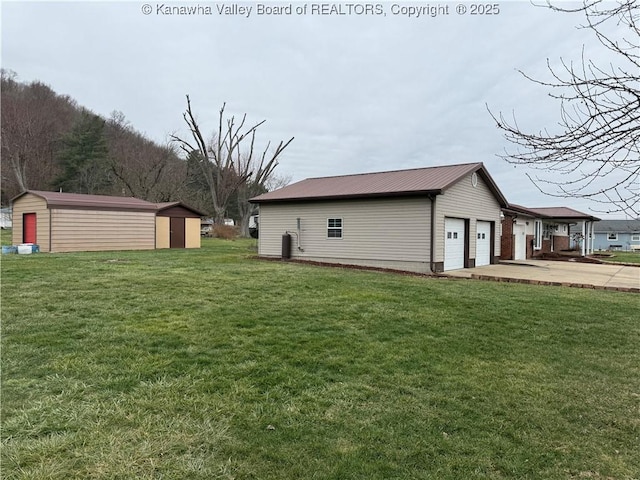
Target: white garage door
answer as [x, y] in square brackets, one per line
[453, 243]
[483, 243]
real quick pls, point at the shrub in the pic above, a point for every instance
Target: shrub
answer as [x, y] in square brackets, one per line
[226, 232]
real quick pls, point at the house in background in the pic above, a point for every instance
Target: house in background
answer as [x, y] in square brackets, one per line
[616, 235]
[532, 232]
[5, 218]
[71, 222]
[422, 220]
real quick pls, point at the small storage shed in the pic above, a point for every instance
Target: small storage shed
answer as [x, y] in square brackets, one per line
[72, 222]
[177, 226]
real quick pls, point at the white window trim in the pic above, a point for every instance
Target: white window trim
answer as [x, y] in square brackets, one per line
[635, 237]
[341, 228]
[609, 239]
[537, 234]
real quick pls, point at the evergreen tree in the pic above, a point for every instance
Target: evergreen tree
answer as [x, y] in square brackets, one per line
[83, 157]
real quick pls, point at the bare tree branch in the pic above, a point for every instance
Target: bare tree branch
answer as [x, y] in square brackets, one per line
[594, 152]
[226, 167]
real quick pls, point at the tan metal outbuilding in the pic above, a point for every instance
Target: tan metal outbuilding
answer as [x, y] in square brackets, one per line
[71, 222]
[177, 226]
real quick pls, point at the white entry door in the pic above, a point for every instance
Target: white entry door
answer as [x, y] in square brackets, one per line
[521, 242]
[483, 243]
[453, 243]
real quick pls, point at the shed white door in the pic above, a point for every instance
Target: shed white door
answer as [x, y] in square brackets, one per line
[453, 243]
[521, 242]
[483, 243]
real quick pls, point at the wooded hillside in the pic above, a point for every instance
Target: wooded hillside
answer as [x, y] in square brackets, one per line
[50, 142]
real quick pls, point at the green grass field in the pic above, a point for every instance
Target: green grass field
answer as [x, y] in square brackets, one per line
[624, 257]
[5, 236]
[207, 364]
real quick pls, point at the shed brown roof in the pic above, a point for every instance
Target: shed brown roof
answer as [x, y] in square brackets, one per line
[79, 200]
[418, 181]
[168, 205]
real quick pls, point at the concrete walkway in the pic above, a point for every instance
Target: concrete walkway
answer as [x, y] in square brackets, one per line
[548, 272]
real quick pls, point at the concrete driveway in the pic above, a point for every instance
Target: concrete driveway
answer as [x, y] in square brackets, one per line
[548, 272]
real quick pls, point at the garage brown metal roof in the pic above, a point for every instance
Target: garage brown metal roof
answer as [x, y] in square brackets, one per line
[417, 181]
[82, 201]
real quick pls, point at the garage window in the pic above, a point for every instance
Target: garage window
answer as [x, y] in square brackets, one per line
[334, 228]
[612, 237]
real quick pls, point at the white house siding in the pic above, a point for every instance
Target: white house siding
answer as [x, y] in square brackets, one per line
[30, 203]
[527, 223]
[388, 233]
[465, 201]
[95, 230]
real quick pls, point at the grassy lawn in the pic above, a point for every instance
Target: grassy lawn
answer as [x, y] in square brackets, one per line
[207, 364]
[5, 236]
[625, 257]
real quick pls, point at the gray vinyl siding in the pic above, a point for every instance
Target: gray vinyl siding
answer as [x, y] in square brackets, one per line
[30, 203]
[465, 201]
[391, 233]
[96, 230]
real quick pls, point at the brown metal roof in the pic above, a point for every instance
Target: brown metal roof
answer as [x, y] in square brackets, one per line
[79, 200]
[552, 212]
[563, 212]
[166, 205]
[418, 181]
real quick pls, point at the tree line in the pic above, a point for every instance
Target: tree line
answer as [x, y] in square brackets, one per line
[49, 142]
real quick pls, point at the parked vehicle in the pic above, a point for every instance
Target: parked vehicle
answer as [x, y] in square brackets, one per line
[253, 226]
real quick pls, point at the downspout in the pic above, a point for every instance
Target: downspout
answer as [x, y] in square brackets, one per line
[432, 246]
[50, 232]
[297, 234]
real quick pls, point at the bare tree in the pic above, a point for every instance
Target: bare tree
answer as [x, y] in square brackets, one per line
[36, 126]
[224, 164]
[259, 173]
[32, 119]
[142, 168]
[595, 154]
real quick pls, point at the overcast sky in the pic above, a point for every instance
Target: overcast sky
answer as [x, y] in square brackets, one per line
[359, 92]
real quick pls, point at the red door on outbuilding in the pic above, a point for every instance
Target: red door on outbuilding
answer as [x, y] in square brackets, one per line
[29, 225]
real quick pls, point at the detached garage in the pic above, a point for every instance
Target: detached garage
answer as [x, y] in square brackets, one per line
[70, 222]
[424, 220]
